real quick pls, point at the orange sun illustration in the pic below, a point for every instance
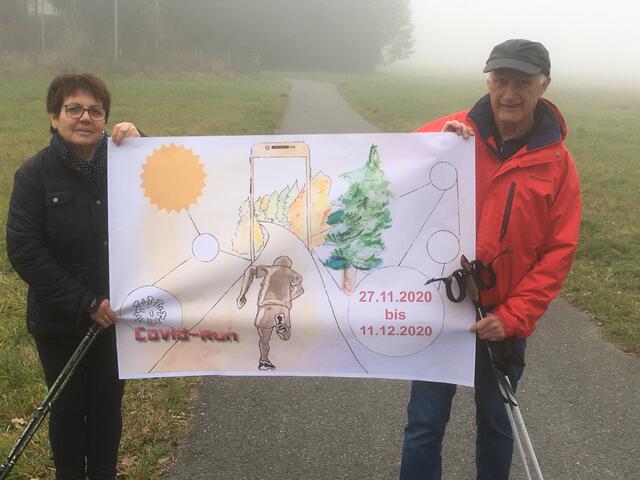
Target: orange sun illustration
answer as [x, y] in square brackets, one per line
[172, 177]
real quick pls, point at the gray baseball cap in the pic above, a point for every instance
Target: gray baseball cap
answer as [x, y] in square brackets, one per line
[522, 55]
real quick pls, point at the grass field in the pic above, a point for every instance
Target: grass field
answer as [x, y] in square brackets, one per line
[603, 139]
[156, 411]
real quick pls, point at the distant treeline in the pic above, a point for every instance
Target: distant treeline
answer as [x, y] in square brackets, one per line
[290, 34]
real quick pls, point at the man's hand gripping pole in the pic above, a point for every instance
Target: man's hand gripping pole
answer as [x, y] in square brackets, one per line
[506, 390]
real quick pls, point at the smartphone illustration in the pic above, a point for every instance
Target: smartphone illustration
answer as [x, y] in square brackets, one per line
[273, 166]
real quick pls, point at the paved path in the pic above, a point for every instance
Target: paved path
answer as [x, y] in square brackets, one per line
[579, 396]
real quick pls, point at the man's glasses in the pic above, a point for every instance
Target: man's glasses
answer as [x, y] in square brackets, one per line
[75, 110]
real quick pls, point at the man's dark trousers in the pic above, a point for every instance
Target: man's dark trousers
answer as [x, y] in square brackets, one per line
[428, 414]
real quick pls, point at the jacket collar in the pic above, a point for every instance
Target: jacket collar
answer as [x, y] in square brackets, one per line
[550, 129]
[61, 148]
[58, 146]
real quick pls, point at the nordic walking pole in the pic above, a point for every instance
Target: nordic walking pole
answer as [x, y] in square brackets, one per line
[527, 440]
[523, 457]
[510, 402]
[44, 408]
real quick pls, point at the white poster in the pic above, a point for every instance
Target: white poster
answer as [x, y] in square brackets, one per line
[292, 255]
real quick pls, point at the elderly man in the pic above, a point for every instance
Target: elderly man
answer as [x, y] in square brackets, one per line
[527, 219]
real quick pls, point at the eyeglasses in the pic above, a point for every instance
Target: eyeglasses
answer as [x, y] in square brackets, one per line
[75, 110]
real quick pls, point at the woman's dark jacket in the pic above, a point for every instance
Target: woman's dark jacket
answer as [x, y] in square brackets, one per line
[57, 241]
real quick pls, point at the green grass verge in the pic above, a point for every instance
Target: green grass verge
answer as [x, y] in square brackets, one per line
[156, 411]
[603, 139]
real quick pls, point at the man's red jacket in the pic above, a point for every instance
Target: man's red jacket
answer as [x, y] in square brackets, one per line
[530, 206]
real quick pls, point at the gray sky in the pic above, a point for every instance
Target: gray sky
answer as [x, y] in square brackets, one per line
[593, 40]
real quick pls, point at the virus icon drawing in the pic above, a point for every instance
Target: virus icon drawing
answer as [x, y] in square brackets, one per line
[149, 310]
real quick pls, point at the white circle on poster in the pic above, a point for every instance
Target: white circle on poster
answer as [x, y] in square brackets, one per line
[205, 247]
[443, 247]
[443, 176]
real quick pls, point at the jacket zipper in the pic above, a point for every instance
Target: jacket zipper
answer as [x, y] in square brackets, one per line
[507, 211]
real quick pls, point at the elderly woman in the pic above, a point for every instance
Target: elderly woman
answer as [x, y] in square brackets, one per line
[57, 242]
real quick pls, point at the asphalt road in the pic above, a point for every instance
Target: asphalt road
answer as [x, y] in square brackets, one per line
[579, 396]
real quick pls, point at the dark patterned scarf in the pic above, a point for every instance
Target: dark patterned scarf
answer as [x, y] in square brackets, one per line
[95, 168]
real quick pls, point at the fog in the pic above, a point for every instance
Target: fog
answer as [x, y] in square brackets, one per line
[591, 41]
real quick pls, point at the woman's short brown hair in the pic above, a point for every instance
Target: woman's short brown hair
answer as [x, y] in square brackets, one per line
[69, 83]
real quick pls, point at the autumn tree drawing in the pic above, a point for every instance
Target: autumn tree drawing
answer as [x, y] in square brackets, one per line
[360, 216]
[286, 208]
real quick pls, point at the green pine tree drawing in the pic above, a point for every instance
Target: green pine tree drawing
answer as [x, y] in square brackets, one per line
[357, 223]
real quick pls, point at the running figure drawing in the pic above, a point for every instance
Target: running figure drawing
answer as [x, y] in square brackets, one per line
[280, 286]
